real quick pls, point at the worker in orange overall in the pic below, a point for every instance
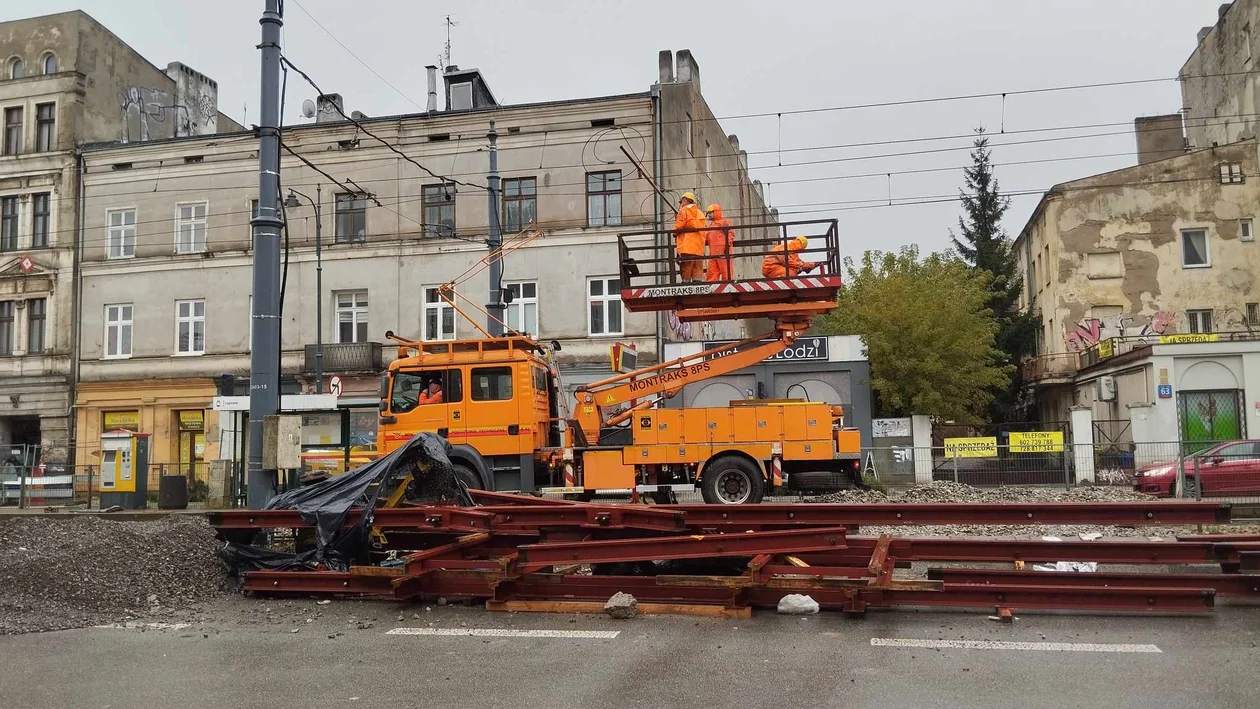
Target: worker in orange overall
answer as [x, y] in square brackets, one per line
[721, 240]
[689, 228]
[787, 264]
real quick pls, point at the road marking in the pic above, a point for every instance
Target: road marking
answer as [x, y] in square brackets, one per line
[132, 625]
[508, 633]
[1001, 645]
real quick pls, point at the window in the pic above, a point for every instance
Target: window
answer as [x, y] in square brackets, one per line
[16, 68]
[1231, 174]
[1200, 321]
[604, 297]
[50, 63]
[45, 127]
[9, 223]
[1246, 230]
[1108, 264]
[439, 316]
[439, 210]
[121, 239]
[522, 312]
[118, 330]
[490, 384]
[36, 320]
[7, 327]
[352, 316]
[351, 213]
[461, 96]
[190, 320]
[520, 203]
[1253, 313]
[190, 228]
[1194, 248]
[407, 387]
[39, 225]
[603, 198]
[13, 130]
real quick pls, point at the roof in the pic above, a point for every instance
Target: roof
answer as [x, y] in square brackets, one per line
[423, 115]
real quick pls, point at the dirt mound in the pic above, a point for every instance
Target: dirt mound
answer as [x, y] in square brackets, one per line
[68, 573]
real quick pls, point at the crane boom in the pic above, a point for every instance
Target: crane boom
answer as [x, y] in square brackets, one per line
[595, 398]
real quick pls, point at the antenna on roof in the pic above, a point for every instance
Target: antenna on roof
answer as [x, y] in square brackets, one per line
[445, 59]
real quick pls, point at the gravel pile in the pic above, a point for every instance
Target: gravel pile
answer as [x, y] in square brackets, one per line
[948, 491]
[69, 573]
[852, 495]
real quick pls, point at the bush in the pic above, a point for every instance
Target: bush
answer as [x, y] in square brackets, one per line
[872, 482]
[198, 491]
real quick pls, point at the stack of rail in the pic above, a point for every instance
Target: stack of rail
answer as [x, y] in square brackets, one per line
[525, 553]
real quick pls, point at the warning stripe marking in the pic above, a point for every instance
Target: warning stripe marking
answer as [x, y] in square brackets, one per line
[1005, 645]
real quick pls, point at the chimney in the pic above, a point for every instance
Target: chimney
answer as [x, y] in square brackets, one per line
[734, 141]
[1220, 11]
[197, 95]
[665, 62]
[328, 107]
[1159, 137]
[431, 104]
[1203, 33]
[687, 70]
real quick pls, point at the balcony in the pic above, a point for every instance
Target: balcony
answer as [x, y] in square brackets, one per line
[1059, 367]
[346, 358]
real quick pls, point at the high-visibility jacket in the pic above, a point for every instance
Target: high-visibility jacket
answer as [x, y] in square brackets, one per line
[787, 265]
[425, 398]
[689, 231]
[721, 239]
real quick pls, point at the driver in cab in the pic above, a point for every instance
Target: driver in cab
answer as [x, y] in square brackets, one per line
[432, 394]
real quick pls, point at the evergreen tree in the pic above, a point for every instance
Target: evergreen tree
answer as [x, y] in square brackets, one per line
[984, 245]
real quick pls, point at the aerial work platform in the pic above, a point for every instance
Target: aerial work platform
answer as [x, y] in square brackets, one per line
[651, 280]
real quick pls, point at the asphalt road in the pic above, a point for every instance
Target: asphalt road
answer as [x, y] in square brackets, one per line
[245, 654]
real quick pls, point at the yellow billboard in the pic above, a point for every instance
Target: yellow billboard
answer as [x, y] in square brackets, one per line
[978, 447]
[1037, 442]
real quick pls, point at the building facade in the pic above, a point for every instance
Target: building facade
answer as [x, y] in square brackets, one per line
[1219, 83]
[1167, 247]
[166, 242]
[65, 80]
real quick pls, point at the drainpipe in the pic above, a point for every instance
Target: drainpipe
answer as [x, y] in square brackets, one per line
[658, 167]
[76, 332]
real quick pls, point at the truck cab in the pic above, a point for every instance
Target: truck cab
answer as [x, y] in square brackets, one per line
[493, 399]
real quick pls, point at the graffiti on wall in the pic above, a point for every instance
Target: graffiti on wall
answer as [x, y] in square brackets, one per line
[1089, 332]
[686, 331]
[152, 113]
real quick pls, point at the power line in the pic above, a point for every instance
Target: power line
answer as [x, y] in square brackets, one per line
[341, 44]
[382, 141]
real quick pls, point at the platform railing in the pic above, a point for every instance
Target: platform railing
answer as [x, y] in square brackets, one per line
[655, 261]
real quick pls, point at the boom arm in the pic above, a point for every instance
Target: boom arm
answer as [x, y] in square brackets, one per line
[593, 399]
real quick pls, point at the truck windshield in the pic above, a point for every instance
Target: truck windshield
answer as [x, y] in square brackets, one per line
[406, 392]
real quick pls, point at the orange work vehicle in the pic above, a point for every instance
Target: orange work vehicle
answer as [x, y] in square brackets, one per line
[510, 427]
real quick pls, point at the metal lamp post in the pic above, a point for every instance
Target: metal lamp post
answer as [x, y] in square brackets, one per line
[292, 201]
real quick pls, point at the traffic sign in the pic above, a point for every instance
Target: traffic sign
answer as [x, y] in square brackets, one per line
[334, 385]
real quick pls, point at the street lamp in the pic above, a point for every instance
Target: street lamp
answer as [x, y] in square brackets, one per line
[292, 201]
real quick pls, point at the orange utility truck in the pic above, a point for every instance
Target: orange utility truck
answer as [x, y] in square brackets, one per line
[500, 402]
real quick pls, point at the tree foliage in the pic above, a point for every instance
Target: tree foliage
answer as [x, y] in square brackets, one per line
[928, 332]
[986, 248]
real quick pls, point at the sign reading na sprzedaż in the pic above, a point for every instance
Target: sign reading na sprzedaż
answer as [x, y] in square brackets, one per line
[1036, 442]
[980, 447]
[1189, 339]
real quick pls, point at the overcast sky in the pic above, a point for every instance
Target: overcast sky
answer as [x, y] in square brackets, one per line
[754, 57]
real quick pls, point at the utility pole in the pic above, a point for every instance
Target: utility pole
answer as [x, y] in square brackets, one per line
[495, 307]
[264, 383]
[292, 201]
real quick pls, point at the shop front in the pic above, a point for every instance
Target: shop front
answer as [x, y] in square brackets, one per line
[175, 413]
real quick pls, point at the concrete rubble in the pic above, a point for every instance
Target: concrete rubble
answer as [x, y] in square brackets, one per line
[621, 606]
[69, 573]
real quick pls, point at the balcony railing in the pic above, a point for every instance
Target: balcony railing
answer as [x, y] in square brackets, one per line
[345, 357]
[1059, 365]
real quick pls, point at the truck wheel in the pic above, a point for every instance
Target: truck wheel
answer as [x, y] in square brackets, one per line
[467, 476]
[730, 480]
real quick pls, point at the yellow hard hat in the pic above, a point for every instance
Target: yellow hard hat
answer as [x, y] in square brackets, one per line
[802, 240]
[688, 195]
[712, 207]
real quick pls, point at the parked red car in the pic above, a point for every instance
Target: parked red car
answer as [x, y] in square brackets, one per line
[1231, 468]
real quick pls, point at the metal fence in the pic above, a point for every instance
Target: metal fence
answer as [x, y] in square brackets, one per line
[1225, 470]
